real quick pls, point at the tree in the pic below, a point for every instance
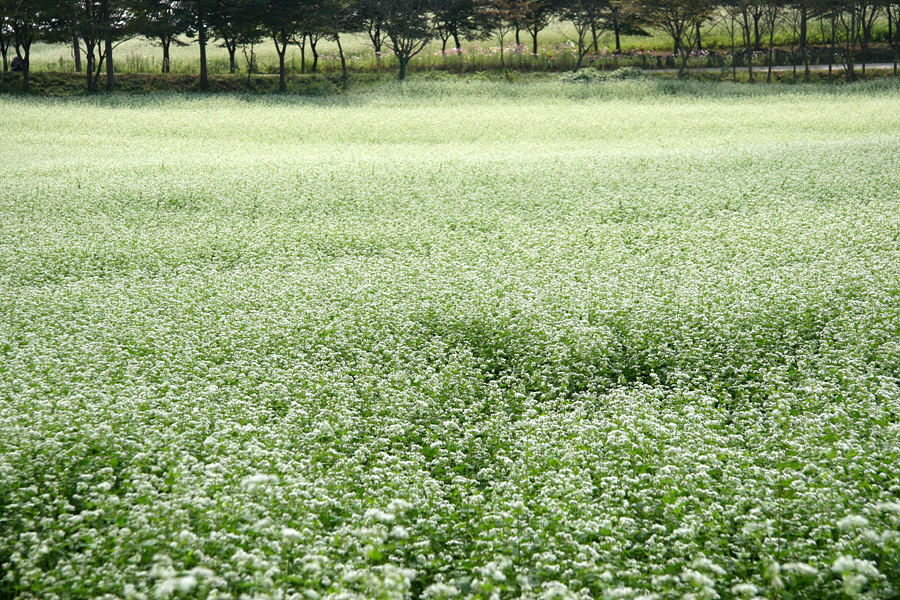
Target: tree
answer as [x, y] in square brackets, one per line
[585, 17]
[235, 27]
[458, 19]
[198, 17]
[25, 22]
[502, 16]
[161, 21]
[341, 16]
[536, 17]
[101, 25]
[867, 13]
[771, 14]
[6, 40]
[621, 18]
[409, 25]
[283, 21]
[680, 19]
[892, 8]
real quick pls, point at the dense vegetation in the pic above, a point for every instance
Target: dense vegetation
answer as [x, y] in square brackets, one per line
[637, 340]
[846, 30]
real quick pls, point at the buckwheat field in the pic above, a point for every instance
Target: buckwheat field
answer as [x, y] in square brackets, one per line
[452, 340]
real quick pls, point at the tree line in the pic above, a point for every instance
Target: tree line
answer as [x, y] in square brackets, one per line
[406, 27]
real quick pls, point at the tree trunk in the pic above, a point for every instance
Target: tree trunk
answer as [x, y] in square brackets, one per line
[344, 74]
[282, 79]
[303, 54]
[315, 53]
[534, 41]
[110, 72]
[895, 42]
[682, 64]
[201, 39]
[26, 70]
[403, 61]
[803, 20]
[850, 70]
[166, 42]
[232, 57]
[456, 41]
[90, 69]
[806, 65]
[617, 31]
[76, 50]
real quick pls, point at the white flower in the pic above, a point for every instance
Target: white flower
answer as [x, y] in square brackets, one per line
[744, 589]
[400, 532]
[852, 522]
[847, 564]
[253, 482]
[893, 507]
[379, 515]
[398, 505]
[439, 591]
[799, 568]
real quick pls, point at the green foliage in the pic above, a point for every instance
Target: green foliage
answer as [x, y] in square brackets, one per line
[592, 75]
[452, 339]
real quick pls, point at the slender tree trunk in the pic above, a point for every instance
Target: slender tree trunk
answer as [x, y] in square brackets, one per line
[94, 66]
[303, 55]
[26, 70]
[617, 31]
[804, 17]
[166, 42]
[403, 62]
[282, 78]
[850, 71]
[344, 75]
[806, 65]
[456, 41]
[315, 53]
[201, 39]
[831, 53]
[890, 35]
[232, 56]
[110, 71]
[76, 50]
[682, 64]
[534, 40]
[895, 42]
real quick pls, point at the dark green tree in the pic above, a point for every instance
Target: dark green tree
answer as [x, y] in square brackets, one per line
[25, 22]
[163, 22]
[408, 24]
[6, 40]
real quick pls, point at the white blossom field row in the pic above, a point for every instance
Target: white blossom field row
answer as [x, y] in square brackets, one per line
[452, 340]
